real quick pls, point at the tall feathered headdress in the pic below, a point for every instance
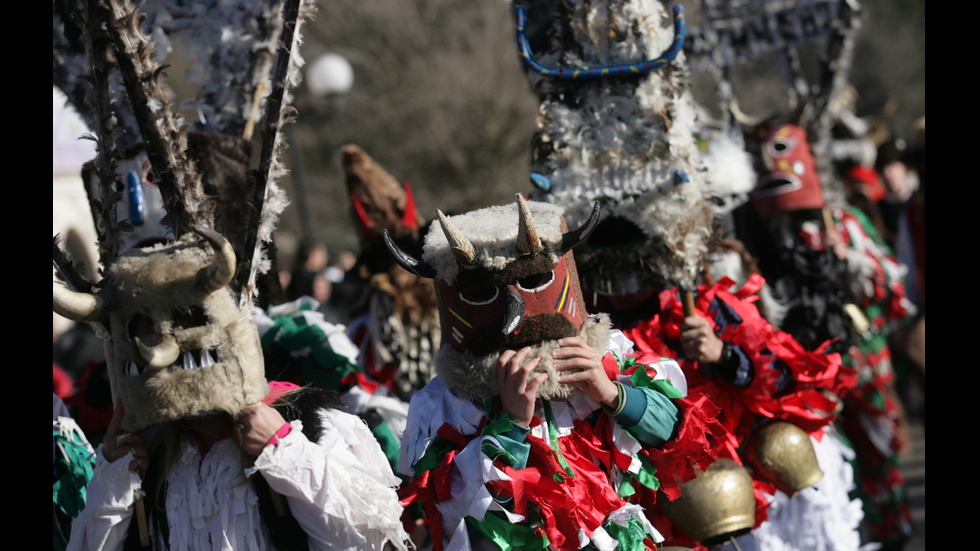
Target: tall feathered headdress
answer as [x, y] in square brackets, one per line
[180, 337]
[246, 60]
[617, 125]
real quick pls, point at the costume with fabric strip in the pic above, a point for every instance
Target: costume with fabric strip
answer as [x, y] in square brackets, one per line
[202, 451]
[505, 281]
[618, 125]
[834, 282]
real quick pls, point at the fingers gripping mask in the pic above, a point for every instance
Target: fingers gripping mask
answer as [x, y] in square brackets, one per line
[788, 178]
[504, 279]
[179, 345]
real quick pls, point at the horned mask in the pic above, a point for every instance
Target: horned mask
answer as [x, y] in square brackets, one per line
[504, 279]
[788, 178]
[179, 346]
[180, 338]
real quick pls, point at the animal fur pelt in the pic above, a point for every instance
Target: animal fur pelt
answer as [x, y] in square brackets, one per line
[383, 202]
[474, 377]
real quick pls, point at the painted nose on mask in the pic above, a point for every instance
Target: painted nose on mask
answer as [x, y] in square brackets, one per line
[513, 312]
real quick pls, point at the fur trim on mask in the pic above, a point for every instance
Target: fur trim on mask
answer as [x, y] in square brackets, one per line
[731, 175]
[157, 284]
[474, 378]
[493, 232]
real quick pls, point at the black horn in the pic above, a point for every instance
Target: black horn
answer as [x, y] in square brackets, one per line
[413, 265]
[576, 237]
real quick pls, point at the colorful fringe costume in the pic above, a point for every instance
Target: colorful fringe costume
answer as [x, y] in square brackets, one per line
[300, 346]
[567, 482]
[506, 281]
[873, 415]
[777, 380]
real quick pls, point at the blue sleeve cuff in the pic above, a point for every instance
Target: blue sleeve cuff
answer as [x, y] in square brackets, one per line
[737, 371]
[632, 405]
[647, 415]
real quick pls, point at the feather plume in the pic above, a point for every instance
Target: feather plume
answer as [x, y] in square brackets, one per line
[269, 198]
[74, 74]
[85, 20]
[163, 135]
[232, 45]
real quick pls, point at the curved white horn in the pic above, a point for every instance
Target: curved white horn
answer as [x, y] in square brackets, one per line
[461, 246]
[77, 306]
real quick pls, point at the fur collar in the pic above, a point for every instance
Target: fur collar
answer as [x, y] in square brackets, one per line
[472, 377]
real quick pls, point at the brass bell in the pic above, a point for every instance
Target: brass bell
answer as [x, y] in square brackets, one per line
[716, 505]
[781, 453]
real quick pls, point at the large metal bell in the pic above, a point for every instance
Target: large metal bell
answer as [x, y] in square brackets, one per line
[782, 454]
[716, 505]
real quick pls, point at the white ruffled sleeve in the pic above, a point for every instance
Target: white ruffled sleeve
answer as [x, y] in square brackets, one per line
[340, 490]
[110, 495]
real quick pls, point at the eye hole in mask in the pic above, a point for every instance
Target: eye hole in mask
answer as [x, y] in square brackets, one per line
[537, 282]
[478, 297]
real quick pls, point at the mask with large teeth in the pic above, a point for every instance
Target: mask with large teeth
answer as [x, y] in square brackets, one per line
[179, 346]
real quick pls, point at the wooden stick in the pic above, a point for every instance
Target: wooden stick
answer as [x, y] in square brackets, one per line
[828, 220]
[260, 91]
[141, 522]
[687, 296]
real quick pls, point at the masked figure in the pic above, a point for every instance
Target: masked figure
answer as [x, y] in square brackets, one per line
[202, 451]
[539, 421]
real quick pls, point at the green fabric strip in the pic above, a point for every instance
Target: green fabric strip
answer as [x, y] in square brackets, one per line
[553, 436]
[642, 379]
[630, 537]
[512, 448]
[433, 456]
[508, 536]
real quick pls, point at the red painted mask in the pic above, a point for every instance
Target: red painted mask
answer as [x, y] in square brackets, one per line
[788, 177]
[512, 308]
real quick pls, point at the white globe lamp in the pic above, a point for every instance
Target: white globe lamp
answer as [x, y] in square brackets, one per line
[330, 74]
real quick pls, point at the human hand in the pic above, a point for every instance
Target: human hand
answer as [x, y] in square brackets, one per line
[257, 424]
[517, 391]
[575, 353]
[699, 341]
[118, 444]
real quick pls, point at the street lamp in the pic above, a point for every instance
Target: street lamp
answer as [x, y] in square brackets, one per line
[329, 75]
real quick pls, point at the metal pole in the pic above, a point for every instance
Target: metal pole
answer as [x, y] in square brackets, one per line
[306, 219]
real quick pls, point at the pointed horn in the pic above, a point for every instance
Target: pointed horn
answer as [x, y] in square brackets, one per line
[798, 115]
[223, 268]
[743, 119]
[576, 237]
[162, 355]
[461, 246]
[417, 267]
[528, 241]
[77, 306]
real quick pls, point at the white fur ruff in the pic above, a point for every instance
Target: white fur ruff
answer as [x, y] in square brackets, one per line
[473, 377]
[493, 232]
